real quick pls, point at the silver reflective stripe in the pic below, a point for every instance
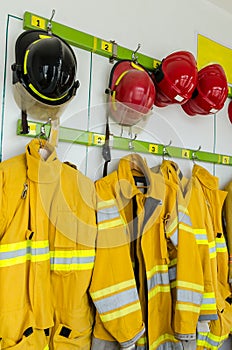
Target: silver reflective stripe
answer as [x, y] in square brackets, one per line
[116, 301]
[170, 346]
[23, 251]
[172, 273]
[174, 238]
[71, 260]
[158, 278]
[208, 340]
[98, 344]
[132, 341]
[184, 218]
[189, 296]
[107, 214]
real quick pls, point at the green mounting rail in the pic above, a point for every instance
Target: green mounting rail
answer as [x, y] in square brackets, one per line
[109, 49]
[91, 138]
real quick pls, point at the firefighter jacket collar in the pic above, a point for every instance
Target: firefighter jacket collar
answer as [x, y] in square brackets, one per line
[38, 169]
[134, 164]
[206, 179]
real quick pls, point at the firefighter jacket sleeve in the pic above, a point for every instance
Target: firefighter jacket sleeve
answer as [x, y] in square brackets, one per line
[113, 286]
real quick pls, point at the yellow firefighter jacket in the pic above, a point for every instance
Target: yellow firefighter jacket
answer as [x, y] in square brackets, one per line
[131, 277]
[47, 237]
[193, 209]
[228, 222]
[220, 328]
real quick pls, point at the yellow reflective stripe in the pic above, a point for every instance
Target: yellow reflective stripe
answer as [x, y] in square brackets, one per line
[185, 307]
[186, 228]
[183, 209]
[188, 285]
[200, 231]
[137, 67]
[163, 337]
[112, 289]
[111, 223]
[8, 247]
[208, 306]
[25, 62]
[72, 253]
[141, 341]
[157, 268]
[158, 289]
[46, 347]
[104, 204]
[113, 100]
[120, 77]
[71, 267]
[120, 313]
[173, 262]
[171, 227]
[44, 36]
[43, 96]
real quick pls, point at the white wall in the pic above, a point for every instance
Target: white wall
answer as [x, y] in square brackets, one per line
[161, 27]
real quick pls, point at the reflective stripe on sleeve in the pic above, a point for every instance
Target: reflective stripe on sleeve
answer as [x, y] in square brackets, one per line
[188, 296]
[166, 339]
[221, 246]
[116, 301]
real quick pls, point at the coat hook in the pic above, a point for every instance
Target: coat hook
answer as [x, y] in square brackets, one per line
[49, 25]
[134, 58]
[131, 146]
[165, 151]
[194, 154]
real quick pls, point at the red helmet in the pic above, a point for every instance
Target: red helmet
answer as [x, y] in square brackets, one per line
[175, 78]
[211, 92]
[230, 111]
[131, 91]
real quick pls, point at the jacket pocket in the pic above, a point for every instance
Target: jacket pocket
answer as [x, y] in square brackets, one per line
[32, 339]
[71, 339]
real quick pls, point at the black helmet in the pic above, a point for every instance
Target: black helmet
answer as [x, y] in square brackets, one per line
[46, 68]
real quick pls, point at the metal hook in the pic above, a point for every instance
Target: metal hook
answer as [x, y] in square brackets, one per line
[42, 129]
[134, 58]
[165, 151]
[130, 145]
[194, 154]
[49, 25]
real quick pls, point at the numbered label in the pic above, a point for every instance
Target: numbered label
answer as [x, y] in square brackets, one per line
[153, 148]
[99, 139]
[185, 153]
[32, 128]
[38, 22]
[225, 160]
[106, 46]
